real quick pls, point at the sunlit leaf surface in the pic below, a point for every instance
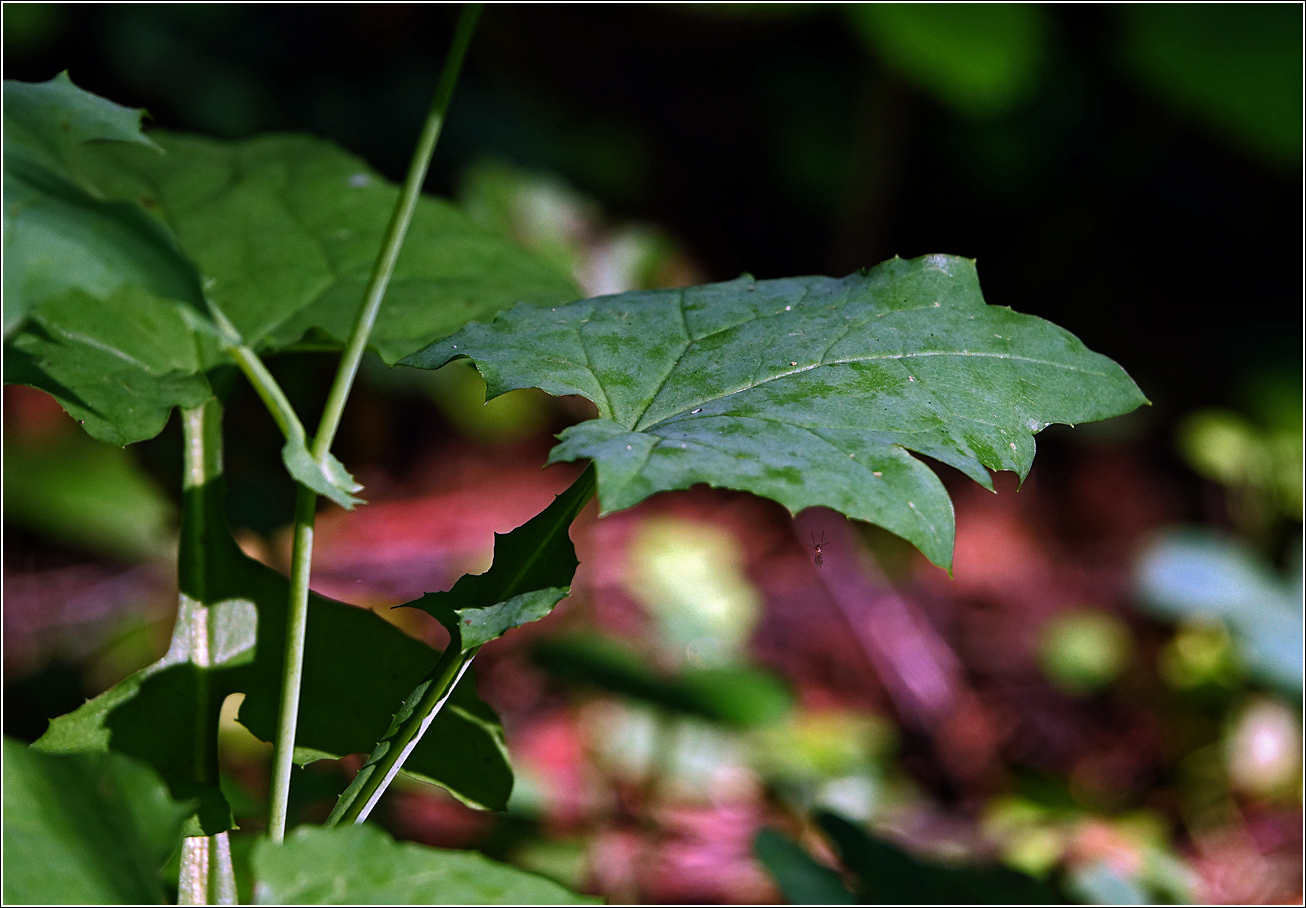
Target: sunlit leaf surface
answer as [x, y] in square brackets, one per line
[810, 391]
[116, 244]
[285, 230]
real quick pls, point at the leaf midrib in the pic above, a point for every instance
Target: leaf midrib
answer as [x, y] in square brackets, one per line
[640, 427]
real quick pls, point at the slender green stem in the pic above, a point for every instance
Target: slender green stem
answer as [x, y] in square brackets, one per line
[292, 673]
[268, 391]
[403, 214]
[306, 500]
[258, 375]
[206, 874]
[201, 432]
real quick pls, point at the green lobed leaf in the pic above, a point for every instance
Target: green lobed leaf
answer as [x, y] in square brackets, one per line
[362, 865]
[117, 364]
[46, 121]
[285, 230]
[103, 291]
[810, 391]
[280, 233]
[532, 571]
[156, 716]
[330, 478]
[59, 233]
[84, 829]
[58, 238]
[357, 670]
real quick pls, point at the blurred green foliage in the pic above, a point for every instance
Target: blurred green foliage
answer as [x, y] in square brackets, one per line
[459, 391]
[689, 577]
[1234, 68]
[85, 828]
[1257, 458]
[1200, 653]
[1043, 837]
[1198, 575]
[981, 59]
[30, 26]
[802, 880]
[881, 873]
[1084, 650]
[568, 227]
[88, 495]
[734, 695]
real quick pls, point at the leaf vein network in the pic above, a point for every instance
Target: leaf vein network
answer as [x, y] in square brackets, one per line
[605, 405]
[814, 432]
[689, 341]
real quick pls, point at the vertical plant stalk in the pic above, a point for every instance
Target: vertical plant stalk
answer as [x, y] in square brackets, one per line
[306, 499]
[207, 876]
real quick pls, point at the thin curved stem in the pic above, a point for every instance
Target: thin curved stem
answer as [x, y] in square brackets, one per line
[278, 405]
[394, 238]
[306, 499]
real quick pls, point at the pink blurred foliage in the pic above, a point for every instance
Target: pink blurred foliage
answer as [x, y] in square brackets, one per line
[1236, 869]
[553, 745]
[953, 660]
[393, 551]
[70, 612]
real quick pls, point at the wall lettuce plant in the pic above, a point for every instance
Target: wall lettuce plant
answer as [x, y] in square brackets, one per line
[140, 268]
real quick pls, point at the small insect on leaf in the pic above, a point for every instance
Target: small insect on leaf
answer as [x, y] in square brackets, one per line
[817, 545]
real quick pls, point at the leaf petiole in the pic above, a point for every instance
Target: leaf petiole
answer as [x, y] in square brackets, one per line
[406, 730]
